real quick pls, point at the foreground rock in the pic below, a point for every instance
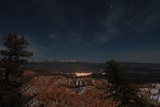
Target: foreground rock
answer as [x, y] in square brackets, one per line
[58, 91]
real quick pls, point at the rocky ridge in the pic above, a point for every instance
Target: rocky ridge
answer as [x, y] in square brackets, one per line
[58, 91]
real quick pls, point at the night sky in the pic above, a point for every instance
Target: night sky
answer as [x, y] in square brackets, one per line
[86, 30]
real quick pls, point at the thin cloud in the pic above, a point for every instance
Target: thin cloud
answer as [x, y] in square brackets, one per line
[122, 21]
[39, 51]
[143, 56]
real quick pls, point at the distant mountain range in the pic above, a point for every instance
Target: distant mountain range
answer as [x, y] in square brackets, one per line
[90, 67]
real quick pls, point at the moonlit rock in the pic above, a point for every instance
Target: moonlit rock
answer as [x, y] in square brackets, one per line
[139, 95]
[143, 93]
[159, 99]
[146, 89]
[155, 97]
[153, 84]
[81, 83]
[154, 91]
[81, 90]
[157, 86]
[77, 82]
[151, 97]
[141, 89]
[34, 103]
[93, 81]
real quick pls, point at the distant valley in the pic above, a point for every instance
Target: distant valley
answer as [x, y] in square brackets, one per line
[90, 67]
[138, 72]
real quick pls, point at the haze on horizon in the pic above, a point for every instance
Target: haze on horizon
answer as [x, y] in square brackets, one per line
[86, 30]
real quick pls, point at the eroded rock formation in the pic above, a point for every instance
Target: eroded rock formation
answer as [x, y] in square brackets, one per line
[58, 91]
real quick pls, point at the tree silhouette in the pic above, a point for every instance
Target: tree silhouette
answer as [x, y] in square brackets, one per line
[14, 56]
[121, 89]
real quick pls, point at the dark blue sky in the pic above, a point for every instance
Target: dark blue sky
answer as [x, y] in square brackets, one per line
[86, 30]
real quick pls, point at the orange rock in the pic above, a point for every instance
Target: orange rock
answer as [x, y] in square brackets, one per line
[28, 73]
[55, 91]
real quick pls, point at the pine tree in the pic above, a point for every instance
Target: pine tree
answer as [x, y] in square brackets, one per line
[121, 89]
[14, 56]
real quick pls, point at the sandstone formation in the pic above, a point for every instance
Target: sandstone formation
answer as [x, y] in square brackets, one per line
[58, 91]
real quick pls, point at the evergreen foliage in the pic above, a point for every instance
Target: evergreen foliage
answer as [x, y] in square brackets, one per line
[122, 90]
[14, 56]
[10, 95]
[12, 59]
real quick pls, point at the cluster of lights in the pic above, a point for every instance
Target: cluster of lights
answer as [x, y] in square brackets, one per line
[82, 74]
